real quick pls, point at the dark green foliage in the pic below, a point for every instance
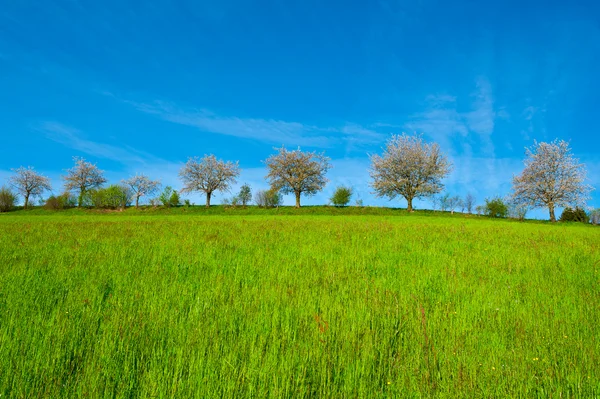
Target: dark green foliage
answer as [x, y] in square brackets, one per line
[8, 199]
[574, 215]
[496, 208]
[341, 196]
[63, 201]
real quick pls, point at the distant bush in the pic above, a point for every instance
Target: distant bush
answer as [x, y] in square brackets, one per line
[268, 198]
[341, 196]
[517, 211]
[8, 199]
[574, 215]
[111, 197]
[480, 210]
[169, 197]
[595, 216]
[58, 202]
[496, 208]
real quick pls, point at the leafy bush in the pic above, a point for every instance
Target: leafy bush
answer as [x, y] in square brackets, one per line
[341, 196]
[496, 208]
[111, 197]
[8, 199]
[574, 215]
[268, 198]
[169, 197]
[58, 202]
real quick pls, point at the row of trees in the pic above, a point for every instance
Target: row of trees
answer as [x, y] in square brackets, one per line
[409, 168]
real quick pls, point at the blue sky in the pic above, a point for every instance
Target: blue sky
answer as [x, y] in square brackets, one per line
[139, 86]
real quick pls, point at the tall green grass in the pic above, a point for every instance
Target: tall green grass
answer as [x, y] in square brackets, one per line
[122, 306]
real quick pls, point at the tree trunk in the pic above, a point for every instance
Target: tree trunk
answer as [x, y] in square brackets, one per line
[26, 201]
[298, 199]
[80, 199]
[409, 208]
[137, 201]
[552, 215]
[208, 195]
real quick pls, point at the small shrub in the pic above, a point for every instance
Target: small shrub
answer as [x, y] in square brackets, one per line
[174, 200]
[341, 196]
[63, 201]
[595, 216]
[480, 210]
[111, 197]
[517, 211]
[496, 208]
[169, 197]
[8, 199]
[268, 198]
[574, 215]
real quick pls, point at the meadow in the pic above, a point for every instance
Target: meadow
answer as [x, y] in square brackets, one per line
[287, 303]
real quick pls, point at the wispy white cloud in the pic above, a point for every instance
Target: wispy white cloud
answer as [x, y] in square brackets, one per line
[271, 131]
[74, 138]
[443, 120]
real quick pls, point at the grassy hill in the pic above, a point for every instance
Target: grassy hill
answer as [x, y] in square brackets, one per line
[296, 303]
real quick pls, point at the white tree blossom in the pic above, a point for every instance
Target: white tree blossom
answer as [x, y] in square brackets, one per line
[140, 186]
[552, 178]
[82, 177]
[29, 183]
[297, 172]
[208, 175]
[409, 167]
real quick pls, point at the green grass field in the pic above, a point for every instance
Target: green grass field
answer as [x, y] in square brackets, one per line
[185, 304]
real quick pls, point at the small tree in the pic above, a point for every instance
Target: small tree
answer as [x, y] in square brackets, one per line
[480, 209]
[141, 186]
[469, 203]
[297, 172]
[8, 199]
[82, 177]
[208, 175]
[552, 177]
[341, 196]
[245, 195]
[29, 183]
[496, 208]
[410, 168]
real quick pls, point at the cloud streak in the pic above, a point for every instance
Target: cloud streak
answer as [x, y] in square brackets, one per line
[73, 138]
[271, 131]
[444, 121]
